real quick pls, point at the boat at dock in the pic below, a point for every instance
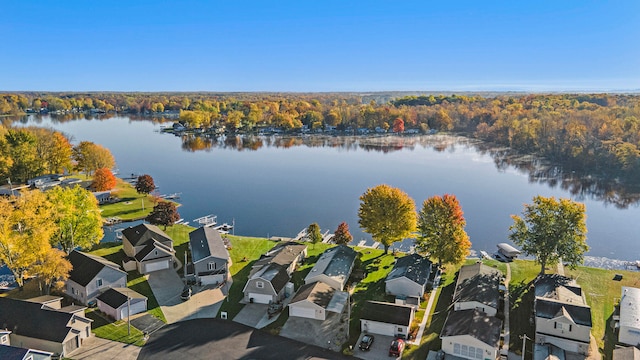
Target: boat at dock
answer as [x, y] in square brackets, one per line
[207, 220]
[170, 196]
[223, 228]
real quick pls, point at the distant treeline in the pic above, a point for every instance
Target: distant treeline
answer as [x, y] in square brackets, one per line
[592, 133]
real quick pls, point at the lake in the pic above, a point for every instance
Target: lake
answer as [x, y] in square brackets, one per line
[278, 186]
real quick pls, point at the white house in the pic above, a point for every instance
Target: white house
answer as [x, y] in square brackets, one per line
[113, 302]
[562, 315]
[333, 267]
[478, 287]
[411, 276]
[386, 318]
[149, 247]
[92, 275]
[8, 352]
[314, 300]
[471, 334]
[629, 332]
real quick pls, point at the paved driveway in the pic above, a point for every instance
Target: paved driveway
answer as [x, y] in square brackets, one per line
[251, 314]
[102, 349]
[379, 349]
[224, 339]
[330, 333]
[167, 286]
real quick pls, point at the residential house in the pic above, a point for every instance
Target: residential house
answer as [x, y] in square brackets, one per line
[267, 285]
[271, 273]
[288, 254]
[629, 331]
[210, 259]
[471, 334]
[333, 267]
[149, 247]
[411, 276]
[562, 315]
[626, 353]
[314, 300]
[92, 275]
[478, 287]
[8, 352]
[386, 318]
[118, 303]
[36, 326]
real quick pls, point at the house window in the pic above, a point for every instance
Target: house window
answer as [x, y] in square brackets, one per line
[4, 339]
[478, 353]
[212, 266]
[456, 349]
[399, 329]
[464, 350]
[472, 351]
[260, 284]
[99, 282]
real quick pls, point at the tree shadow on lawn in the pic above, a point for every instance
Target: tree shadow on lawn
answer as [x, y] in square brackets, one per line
[232, 304]
[521, 297]
[610, 336]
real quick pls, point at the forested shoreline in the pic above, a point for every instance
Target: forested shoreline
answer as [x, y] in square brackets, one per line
[595, 134]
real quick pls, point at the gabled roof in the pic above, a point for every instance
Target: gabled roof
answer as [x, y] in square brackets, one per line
[317, 292]
[275, 274]
[630, 307]
[335, 262]
[8, 352]
[283, 254]
[154, 245]
[387, 313]
[579, 314]
[558, 288]
[143, 233]
[205, 242]
[31, 320]
[414, 267]
[469, 271]
[116, 297]
[87, 266]
[474, 323]
[483, 288]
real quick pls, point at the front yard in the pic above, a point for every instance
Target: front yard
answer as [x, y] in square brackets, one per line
[117, 331]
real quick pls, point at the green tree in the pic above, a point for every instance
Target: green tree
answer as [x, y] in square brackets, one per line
[145, 184]
[314, 234]
[77, 217]
[25, 163]
[342, 236]
[90, 157]
[52, 269]
[441, 230]
[164, 213]
[26, 226]
[551, 230]
[388, 214]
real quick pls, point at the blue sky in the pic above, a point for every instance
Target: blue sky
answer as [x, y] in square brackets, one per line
[320, 45]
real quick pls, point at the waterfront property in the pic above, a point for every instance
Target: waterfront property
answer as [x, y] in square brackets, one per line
[288, 254]
[92, 275]
[629, 318]
[562, 316]
[478, 287]
[471, 334]
[37, 326]
[386, 318]
[314, 300]
[210, 259]
[411, 276]
[118, 303]
[333, 267]
[148, 248]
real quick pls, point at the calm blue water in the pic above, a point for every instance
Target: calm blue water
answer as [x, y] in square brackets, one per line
[276, 190]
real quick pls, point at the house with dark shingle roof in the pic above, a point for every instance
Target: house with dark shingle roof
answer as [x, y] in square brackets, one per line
[267, 285]
[288, 254]
[411, 276]
[333, 267]
[119, 302]
[8, 352]
[478, 287]
[149, 247]
[314, 300]
[36, 326]
[210, 259]
[562, 315]
[386, 318]
[91, 275]
[471, 334]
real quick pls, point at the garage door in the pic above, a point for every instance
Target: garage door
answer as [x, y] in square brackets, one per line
[260, 298]
[136, 308]
[302, 312]
[155, 266]
[374, 327]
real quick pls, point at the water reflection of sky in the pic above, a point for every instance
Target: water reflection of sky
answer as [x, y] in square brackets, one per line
[278, 190]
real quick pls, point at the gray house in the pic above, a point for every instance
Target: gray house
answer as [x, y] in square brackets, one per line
[210, 259]
[118, 303]
[149, 247]
[267, 285]
[36, 326]
[478, 287]
[411, 276]
[471, 334]
[288, 254]
[333, 267]
[92, 275]
[315, 300]
[8, 352]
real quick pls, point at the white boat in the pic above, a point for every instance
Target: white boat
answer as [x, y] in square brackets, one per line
[207, 220]
[224, 228]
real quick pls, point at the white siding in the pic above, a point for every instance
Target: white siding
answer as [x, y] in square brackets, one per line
[147, 267]
[629, 336]
[403, 287]
[338, 285]
[463, 345]
[306, 309]
[375, 327]
[260, 298]
[466, 305]
[575, 340]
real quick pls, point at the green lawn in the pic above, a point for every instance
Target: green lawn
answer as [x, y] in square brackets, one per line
[116, 331]
[130, 206]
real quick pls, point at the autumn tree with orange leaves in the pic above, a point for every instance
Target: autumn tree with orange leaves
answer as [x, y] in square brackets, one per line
[103, 180]
[441, 230]
[398, 125]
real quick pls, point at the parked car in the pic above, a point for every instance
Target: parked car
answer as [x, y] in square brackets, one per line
[186, 293]
[396, 348]
[365, 343]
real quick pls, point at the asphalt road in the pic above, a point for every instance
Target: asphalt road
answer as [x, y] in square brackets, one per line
[224, 339]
